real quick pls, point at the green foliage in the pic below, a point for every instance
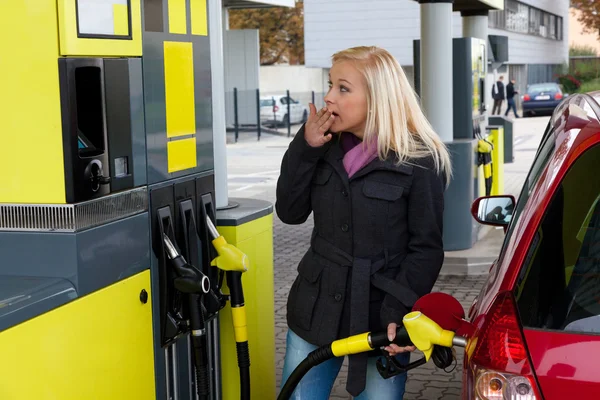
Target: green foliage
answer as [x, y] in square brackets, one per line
[590, 86]
[281, 31]
[578, 51]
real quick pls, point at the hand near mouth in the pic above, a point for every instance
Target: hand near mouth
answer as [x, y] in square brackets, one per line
[316, 130]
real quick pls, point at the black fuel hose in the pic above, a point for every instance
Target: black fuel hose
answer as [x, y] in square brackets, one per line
[240, 330]
[339, 348]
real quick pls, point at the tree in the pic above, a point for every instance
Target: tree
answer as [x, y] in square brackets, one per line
[281, 31]
[589, 14]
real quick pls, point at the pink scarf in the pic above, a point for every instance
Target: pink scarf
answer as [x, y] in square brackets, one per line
[356, 156]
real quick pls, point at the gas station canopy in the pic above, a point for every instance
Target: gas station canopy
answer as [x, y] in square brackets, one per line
[258, 3]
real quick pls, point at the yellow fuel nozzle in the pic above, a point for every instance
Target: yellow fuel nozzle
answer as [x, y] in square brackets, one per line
[230, 258]
[425, 333]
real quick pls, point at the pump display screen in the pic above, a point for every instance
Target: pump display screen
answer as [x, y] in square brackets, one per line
[80, 144]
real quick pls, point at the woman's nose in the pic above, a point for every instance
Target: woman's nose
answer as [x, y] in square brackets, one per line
[328, 98]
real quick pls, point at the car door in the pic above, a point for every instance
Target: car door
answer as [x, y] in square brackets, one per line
[558, 286]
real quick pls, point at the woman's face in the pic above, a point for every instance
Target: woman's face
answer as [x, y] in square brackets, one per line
[347, 99]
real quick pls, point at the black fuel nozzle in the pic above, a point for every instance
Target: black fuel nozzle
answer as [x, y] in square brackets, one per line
[189, 279]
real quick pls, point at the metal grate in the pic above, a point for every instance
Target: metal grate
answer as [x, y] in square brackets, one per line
[73, 217]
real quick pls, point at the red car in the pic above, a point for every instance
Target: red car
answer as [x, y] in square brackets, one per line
[537, 318]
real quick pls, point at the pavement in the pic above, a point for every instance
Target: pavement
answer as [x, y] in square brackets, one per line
[253, 168]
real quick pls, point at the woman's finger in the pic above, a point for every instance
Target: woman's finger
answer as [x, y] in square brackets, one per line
[327, 124]
[312, 110]
[326, 138]
[391, 331]
[324, 117]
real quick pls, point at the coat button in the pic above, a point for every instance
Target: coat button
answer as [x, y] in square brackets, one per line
[345, 227]
[344, 193]
[338, 297]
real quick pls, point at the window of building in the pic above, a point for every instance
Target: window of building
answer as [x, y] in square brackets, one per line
[523, 18]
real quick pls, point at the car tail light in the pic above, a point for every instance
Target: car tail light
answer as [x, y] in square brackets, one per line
[526, 98]
[558, 96]
[500, 366]
[275, 108]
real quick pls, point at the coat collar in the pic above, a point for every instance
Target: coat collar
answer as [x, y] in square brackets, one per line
[335, 155]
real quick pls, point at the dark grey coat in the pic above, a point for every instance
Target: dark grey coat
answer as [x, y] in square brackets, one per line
[376, 246]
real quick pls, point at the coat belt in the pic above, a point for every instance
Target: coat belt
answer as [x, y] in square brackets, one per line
[364, 273]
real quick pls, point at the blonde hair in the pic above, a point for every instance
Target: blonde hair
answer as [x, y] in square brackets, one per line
[394, 114]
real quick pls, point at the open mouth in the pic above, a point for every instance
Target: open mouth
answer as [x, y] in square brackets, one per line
[334, 113]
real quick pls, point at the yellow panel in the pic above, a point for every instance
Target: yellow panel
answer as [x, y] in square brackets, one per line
[258, 287]
[181, 154]
[199, 22]
[120, 19]
[30, 127]
[96, 347]
[177, 17]
[71, 45]
[179, 89]
[497, 139]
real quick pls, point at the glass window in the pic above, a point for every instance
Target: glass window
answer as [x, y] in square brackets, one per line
[542, 157]
[267, 103]
[559, 28]
[559, 284]
[520, 17]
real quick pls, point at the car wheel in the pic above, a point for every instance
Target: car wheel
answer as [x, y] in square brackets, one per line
[304, 116]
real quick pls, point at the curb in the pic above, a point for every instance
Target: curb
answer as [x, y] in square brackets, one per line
[467, 265]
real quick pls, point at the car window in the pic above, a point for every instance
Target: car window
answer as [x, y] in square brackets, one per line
[267, 103]
[559, 283]
[543, 88]
[545, 151]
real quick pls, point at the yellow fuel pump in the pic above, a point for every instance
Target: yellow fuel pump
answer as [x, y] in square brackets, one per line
[107, 288]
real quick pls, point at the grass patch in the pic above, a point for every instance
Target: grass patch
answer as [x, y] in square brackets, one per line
[589, 86]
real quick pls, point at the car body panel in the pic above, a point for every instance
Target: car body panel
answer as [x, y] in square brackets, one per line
[573, 129]
[297, 111]
[566, 364]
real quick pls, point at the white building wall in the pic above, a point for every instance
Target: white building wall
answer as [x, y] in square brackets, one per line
[333, 25]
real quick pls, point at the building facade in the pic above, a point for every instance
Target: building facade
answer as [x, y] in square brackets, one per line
[537, 32]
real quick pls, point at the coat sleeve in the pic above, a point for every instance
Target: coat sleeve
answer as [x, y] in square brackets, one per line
[293, 204]
[422, 265]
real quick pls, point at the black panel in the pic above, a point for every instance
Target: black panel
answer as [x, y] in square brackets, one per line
[185, 206]
[205, 195]
[417, 66]
[118, 121]
[163, 222]
[87, 170]
[153, 16]
[498, 51]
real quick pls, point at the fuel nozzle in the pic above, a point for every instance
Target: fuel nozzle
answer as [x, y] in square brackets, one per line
[230, 258]
[188, 278]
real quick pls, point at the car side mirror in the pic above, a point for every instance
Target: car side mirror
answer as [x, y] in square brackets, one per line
[493, 210]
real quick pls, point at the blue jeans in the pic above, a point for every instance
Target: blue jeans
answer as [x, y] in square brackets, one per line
[513, 106]
[318, 382]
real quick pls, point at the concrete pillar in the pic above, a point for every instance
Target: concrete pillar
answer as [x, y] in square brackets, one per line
[215, 34]
[436, 65]
[476, 26]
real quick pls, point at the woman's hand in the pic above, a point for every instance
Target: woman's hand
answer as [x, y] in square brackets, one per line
[394, 349]
[317, 125]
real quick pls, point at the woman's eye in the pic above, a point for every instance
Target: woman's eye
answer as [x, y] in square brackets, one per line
[343, 89]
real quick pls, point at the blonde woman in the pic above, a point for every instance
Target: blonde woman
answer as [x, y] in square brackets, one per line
[373, 172]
